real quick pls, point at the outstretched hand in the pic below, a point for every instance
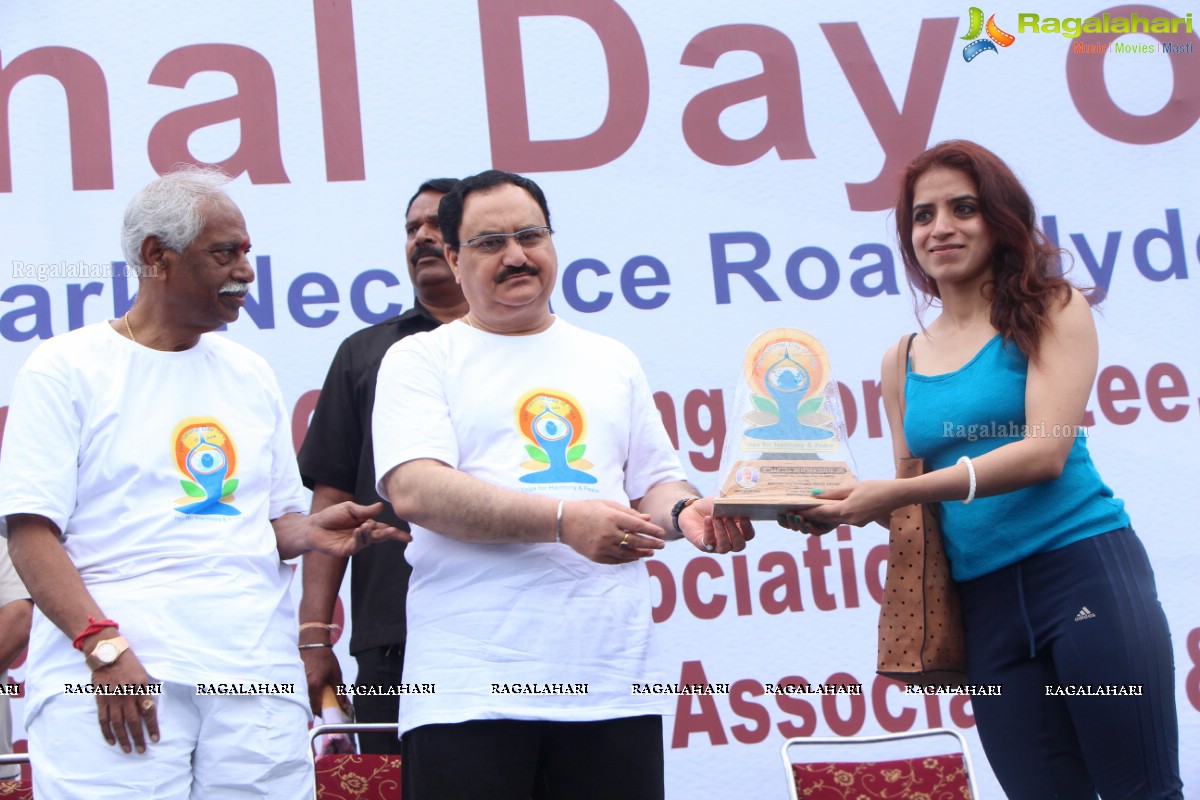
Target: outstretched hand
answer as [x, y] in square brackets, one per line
[343, 529]
[712, 534]
[855, 504]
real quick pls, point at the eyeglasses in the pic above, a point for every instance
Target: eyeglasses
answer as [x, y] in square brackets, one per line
[492, 243]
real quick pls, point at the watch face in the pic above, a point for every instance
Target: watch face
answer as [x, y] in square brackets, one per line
[106, 652]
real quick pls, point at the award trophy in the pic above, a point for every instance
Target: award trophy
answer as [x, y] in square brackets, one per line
[786, 434]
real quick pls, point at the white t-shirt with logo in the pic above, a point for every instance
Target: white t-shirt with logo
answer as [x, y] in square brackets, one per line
[163, 470]
[513, 631]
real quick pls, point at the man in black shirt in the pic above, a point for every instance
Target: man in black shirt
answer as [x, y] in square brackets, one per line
[337, 463]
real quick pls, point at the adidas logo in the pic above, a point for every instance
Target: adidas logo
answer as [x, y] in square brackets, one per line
[1084, 613]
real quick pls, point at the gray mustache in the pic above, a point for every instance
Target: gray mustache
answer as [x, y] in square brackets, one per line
[235, 287]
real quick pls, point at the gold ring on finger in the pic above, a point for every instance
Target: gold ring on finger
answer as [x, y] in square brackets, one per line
[147, 704]
[624, 545]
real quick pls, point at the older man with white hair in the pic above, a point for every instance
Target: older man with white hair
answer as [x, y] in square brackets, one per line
[152, 494]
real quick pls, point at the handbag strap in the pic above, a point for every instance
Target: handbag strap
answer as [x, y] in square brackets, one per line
[903, 351]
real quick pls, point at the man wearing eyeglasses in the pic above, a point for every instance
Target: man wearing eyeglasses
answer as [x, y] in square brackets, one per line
[539, 477]
[337, 463]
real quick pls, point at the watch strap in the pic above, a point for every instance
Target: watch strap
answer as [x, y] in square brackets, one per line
[94, 662]
[678, 508]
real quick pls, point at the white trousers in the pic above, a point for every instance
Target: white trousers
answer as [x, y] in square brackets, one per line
[211, 748]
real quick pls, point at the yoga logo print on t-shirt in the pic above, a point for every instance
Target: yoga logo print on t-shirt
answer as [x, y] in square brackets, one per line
[206, 456]
[555, 425]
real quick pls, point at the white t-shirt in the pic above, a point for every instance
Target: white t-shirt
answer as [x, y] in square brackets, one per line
[163, 470]
[513, 631]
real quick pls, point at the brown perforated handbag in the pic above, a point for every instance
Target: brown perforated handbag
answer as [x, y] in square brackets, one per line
[921, 636]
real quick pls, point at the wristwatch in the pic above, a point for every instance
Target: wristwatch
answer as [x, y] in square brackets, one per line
[107, 652]
[678, 509]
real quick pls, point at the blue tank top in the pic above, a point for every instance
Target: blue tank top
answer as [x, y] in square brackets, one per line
[973, 411]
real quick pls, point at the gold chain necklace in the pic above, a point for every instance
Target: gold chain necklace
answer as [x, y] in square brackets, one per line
[128, 329]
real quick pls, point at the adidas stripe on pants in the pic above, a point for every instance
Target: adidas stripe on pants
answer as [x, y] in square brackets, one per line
[1086, 618]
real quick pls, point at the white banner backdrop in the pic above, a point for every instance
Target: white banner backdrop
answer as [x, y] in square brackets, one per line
[713, 170]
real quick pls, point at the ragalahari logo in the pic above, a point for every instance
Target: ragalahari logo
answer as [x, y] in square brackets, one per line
[995, 35]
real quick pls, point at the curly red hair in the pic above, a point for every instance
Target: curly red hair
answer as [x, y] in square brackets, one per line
[1026, 265]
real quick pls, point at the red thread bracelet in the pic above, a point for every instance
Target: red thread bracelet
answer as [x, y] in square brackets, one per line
[94, 626]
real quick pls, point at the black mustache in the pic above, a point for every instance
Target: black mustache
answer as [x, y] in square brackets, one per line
[424, 250]
[520, 269]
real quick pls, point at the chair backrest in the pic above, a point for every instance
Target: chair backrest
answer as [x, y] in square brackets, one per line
[21, 787]
[352, 776]
[934, 762]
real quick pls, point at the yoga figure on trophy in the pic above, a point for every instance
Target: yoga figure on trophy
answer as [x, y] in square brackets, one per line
[788, 381]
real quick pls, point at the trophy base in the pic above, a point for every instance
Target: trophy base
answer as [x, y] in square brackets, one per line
[765, 488]
[763, 508]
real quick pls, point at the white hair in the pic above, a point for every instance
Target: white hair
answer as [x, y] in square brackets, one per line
[171, 210]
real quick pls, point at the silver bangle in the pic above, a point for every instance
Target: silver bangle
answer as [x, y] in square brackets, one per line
[312, 646]
[971, 475]
[558, 522]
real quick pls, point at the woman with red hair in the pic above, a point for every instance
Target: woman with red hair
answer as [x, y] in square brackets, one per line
[1058, 595]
